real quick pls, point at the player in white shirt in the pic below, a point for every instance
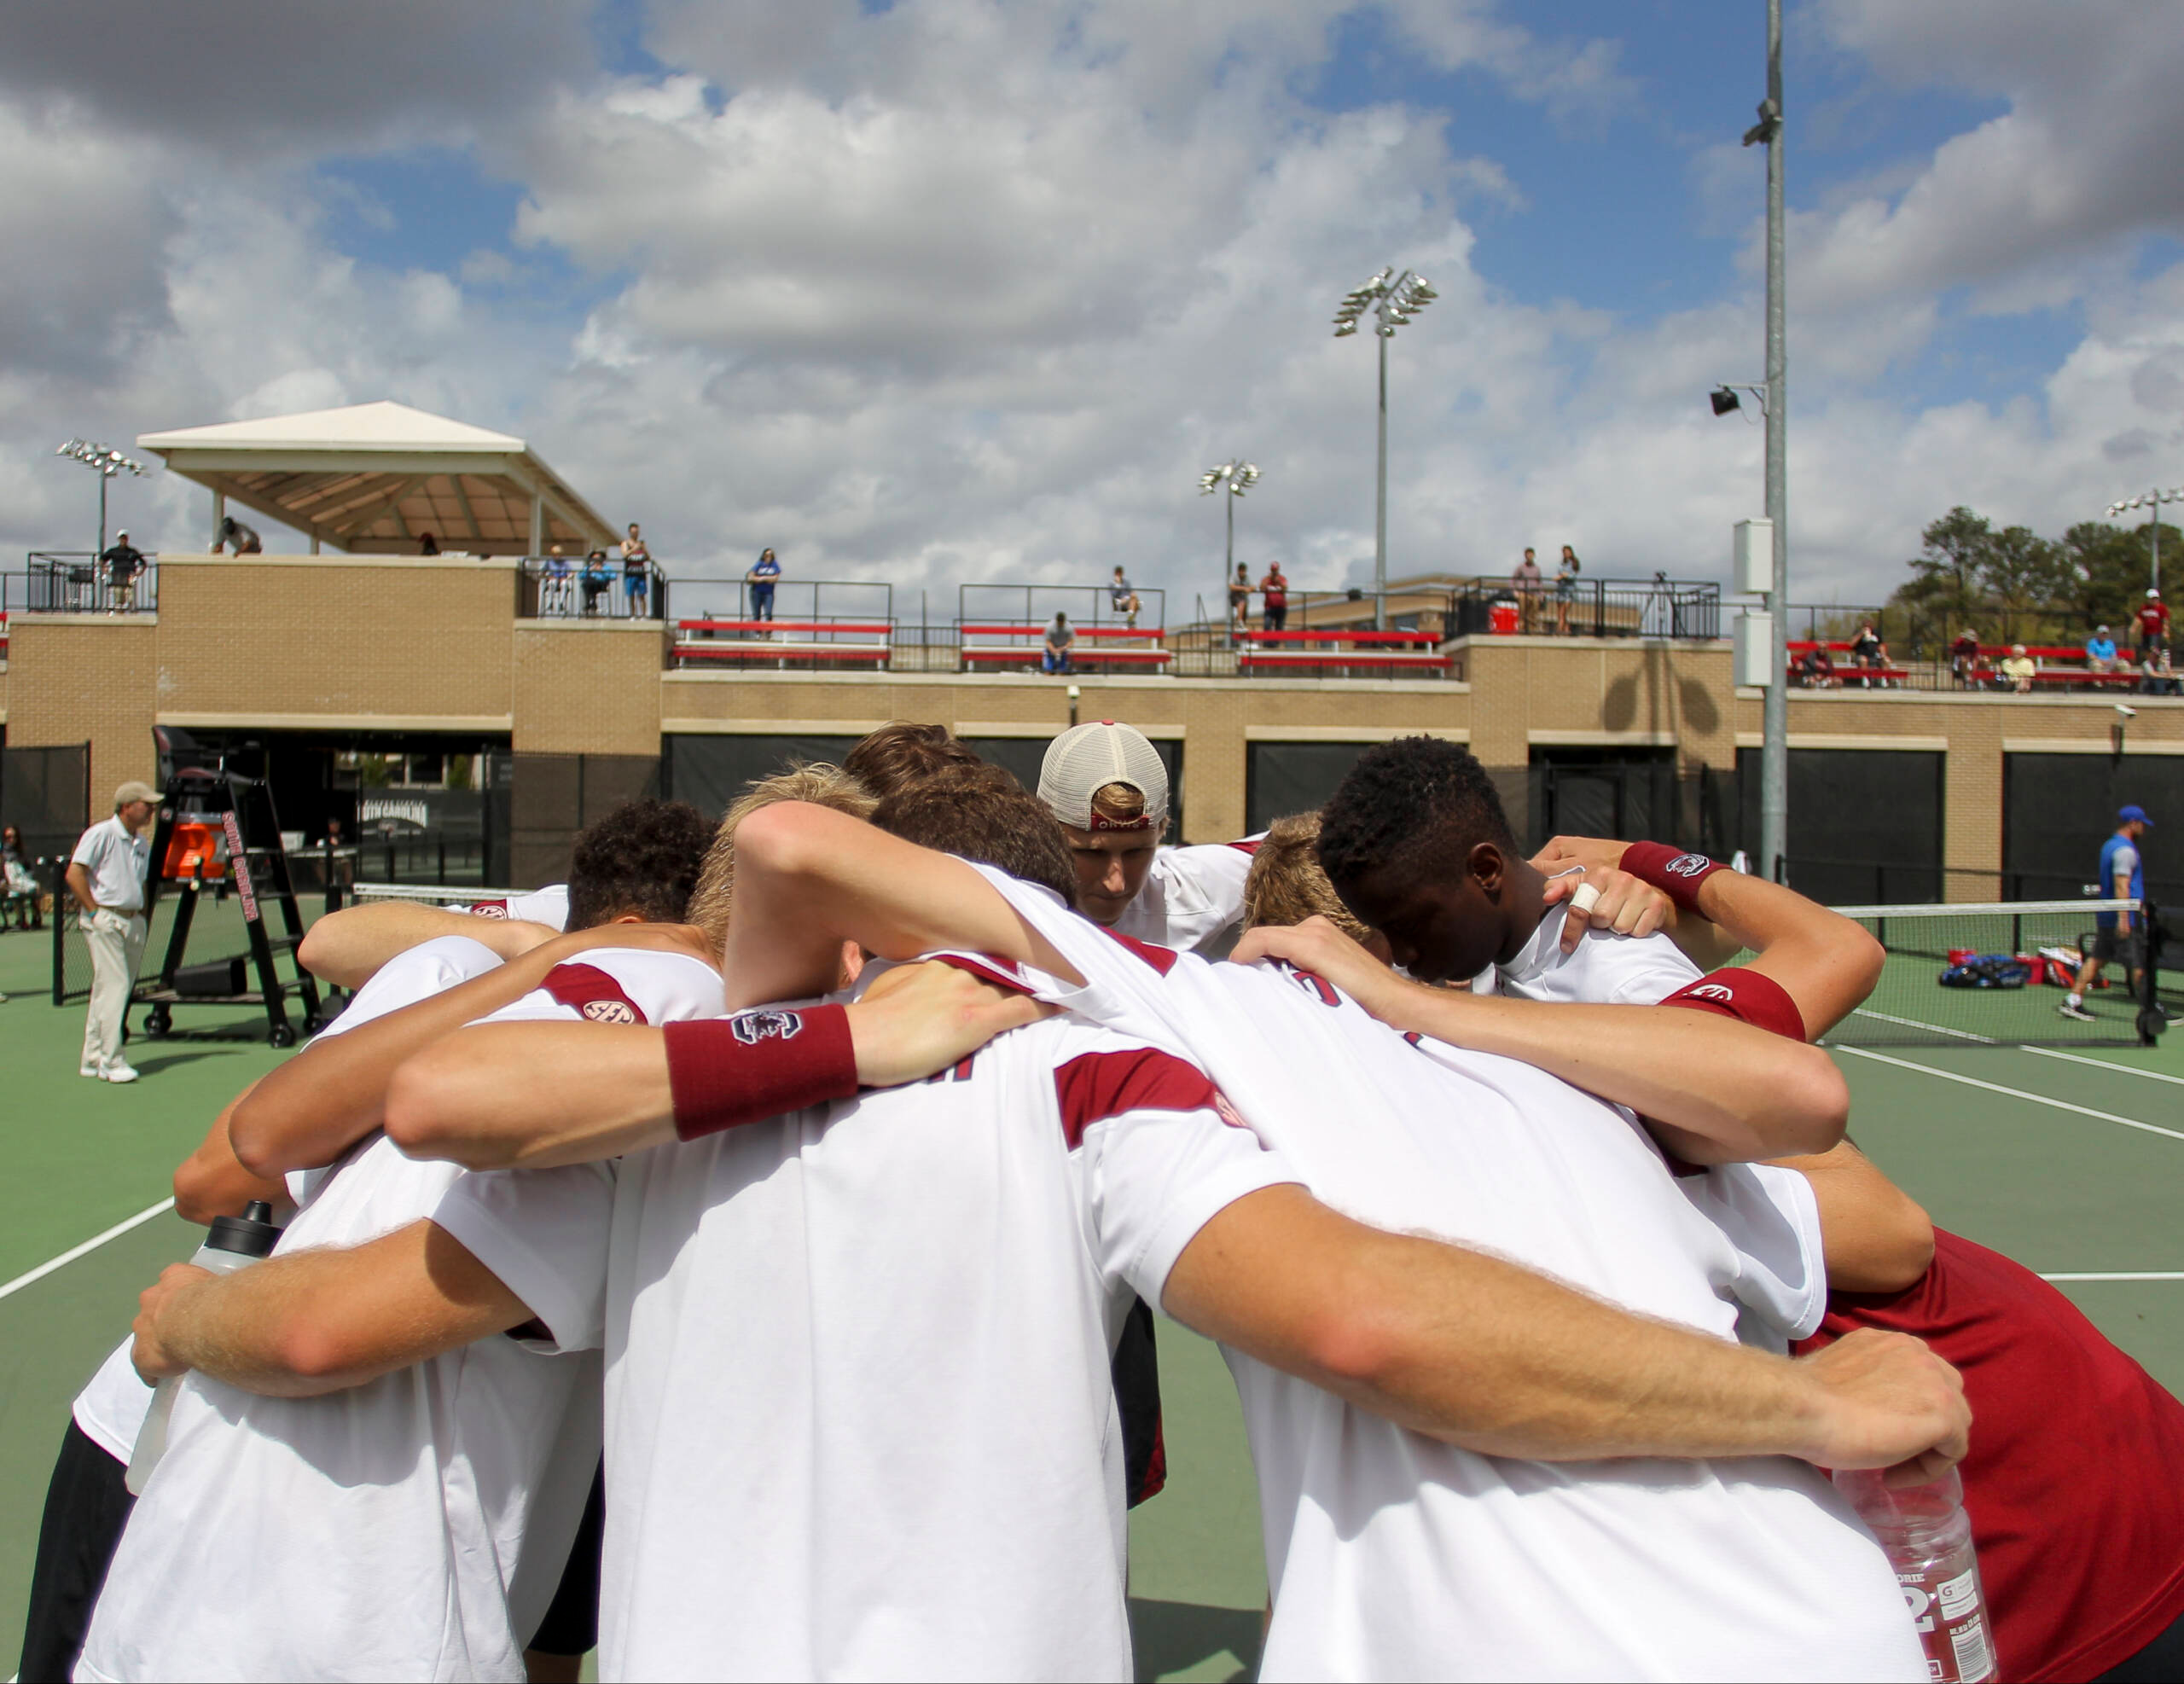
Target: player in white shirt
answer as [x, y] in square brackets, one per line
[1400, 1547]
[1107, 784]
[462, 1479]
[346, 948]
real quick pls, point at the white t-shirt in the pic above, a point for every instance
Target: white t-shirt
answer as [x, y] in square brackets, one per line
[111, 1409]
[548, 905]
[115, 860]
[413, 1527]
[1769, 1214]
[860, 1417]
[1393, 1555]
[1192, 897]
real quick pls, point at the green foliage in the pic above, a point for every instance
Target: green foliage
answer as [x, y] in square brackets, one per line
[2015, 586]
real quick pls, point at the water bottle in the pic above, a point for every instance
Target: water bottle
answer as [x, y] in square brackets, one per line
[1928, 1538]
[234, 1242]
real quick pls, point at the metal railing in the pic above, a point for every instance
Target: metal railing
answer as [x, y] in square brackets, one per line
[76, 581]
[809, 602]
[571, 587]
[1587, 607]
[806, 624]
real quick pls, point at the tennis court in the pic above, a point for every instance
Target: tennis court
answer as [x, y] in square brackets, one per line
[2067, 1159]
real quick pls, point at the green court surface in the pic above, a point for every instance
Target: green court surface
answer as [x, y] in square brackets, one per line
[2071, 1164]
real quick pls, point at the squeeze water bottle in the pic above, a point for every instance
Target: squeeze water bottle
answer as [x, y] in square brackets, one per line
[234, 1242]
[1928, 1538]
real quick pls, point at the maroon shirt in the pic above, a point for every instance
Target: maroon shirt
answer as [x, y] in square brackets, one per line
[2076, 1479]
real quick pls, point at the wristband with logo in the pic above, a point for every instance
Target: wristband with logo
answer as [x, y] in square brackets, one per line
[1749, 996]
[1673, 872]
[727, 1071]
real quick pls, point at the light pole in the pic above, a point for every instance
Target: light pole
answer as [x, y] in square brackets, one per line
[1393, 299]
[106, 463]
[1238, 476]
[2152, 502]
[1774, 750]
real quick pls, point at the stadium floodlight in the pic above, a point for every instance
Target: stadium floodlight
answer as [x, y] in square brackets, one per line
[2152, 501]
[105, 461]
[1393, 299]
[1238, 476]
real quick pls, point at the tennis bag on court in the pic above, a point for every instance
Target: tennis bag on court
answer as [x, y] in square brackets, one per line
[1988, 970]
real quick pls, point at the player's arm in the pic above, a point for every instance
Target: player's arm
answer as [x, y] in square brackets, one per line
[347, 948]
[211, 1181]
[536, 1094]
[1714, 1091]
[324, 1320]
[2120, 889]
[312, 1109]
[1478, 1351]
[808, 879]
[1875, 1236]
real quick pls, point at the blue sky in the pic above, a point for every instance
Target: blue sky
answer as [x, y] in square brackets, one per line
[959, 290]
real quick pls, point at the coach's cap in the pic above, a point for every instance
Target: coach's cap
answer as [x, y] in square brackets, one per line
[1085, 758]
[2151, 591]
[134, 791]
[2135, 813]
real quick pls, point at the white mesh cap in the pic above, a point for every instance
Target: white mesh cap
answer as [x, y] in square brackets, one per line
[1085, 758]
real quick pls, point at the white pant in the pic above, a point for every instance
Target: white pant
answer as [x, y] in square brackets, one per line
[117, 942]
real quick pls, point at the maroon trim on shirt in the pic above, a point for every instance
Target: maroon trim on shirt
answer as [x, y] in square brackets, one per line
[1093, 1087]
[592, 995]
[1250, 846]
[1161, 958]
[1749, 996]
[1156, 1466]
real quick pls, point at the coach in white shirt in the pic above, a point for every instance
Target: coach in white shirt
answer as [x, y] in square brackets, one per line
[106, 874]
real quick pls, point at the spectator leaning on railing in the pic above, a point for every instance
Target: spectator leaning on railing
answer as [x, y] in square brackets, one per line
[765, 572]
[637, 572]
[1526, 580]
[124, 563]
[1274, 590]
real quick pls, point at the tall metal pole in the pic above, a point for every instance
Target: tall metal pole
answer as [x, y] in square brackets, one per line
[1380, 505]
[2153, 576]
[1774, 753]
[1228, 557]
[102, 478]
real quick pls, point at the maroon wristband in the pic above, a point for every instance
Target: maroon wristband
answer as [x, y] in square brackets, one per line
[1749, 996]
[1673, 872]
[727, 1071]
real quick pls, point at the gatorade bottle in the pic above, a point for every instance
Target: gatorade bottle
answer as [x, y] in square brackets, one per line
[235, 1242]
[1928, 1538]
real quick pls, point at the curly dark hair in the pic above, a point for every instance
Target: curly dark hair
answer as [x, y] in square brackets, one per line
[901, 753]
[1406, 801]
[642, 858]
[984, 814]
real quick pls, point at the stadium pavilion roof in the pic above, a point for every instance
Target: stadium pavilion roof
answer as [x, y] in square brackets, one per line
[374, 478]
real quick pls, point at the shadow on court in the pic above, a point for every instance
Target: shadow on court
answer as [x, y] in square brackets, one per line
[1186, 1639]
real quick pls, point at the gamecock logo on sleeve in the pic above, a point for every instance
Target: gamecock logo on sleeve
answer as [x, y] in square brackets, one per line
[752, 1027]
[1687, 865]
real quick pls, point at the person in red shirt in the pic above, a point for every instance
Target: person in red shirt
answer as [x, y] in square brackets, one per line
[1275, 589]
[2154, 626]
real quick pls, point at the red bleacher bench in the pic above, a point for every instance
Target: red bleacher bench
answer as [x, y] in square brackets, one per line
[1846, 670]
[1385, 651]
[1030, 652]
[746, 640]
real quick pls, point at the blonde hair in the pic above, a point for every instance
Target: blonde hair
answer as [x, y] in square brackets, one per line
[1286, 885]
[712, 902]
[1119, 802]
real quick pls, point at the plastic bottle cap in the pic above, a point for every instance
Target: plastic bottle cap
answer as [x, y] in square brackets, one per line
[251, 1234]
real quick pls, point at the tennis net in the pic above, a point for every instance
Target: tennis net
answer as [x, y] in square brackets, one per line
[1997, 973]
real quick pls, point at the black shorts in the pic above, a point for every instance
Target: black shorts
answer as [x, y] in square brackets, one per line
[87, 1504]
[2127, 947]
[571, 1623]
[1136, 1371]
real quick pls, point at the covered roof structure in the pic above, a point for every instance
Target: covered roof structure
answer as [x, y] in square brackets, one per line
[374, 478]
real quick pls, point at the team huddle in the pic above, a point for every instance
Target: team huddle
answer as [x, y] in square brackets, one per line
[742, 1260]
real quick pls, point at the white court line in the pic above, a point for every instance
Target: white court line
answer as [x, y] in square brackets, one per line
[1917, 1023]
[90, 1244]
[2014, 1093]
[2104, 1064]
[2129, 1274]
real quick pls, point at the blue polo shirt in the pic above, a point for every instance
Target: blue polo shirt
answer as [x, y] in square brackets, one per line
[2119, 853]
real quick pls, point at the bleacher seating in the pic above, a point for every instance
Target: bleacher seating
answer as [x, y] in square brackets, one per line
[1383, 653]
[853, 643]
[1846, 669]
[1093, 649]
[2070, 667]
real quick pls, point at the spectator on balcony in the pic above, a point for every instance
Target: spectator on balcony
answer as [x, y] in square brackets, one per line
[1527, 581]
[2160, 678]
[1240, 599]
[2152, 616]
[124, 563]
[427, 544]
[1964, 657]
[765, 573]
[1274, 591]
[2019, 668]
[637, 573]
[595, 580]
[1061, 641]
[1866, 649]
[1565, 589]
[1123, 600]
[556, 585]
[2101, 651]
[1817, 668]
[234, 534]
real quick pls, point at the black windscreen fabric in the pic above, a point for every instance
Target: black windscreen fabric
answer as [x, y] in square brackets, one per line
[1022, 757]
[1627, 793]
[1864, 825]
[46, 793]
[710, 772]
[553, 796]
[1281, 778]
[2059, 809]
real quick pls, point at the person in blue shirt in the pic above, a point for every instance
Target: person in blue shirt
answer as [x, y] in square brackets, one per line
[764, 571]
[2117, 935]
[2101, 650]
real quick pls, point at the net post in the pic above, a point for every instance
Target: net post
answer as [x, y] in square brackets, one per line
[2152, 1020]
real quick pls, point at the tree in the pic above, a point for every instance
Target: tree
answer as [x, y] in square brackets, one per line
[1946, 585]
[2022, 575]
